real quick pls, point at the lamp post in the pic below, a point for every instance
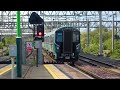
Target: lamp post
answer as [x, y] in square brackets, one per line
[19, 46]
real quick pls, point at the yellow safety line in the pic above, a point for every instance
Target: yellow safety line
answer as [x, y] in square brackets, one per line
[6, 69]
[57, 74]
[53, 74]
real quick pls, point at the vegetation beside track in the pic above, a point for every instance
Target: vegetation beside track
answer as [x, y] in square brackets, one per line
[107, 43]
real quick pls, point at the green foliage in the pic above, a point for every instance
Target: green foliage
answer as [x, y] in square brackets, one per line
[10, 40]
[93, 49]
[7, 53]
[1, 45]
[94, 43]
[116, 54]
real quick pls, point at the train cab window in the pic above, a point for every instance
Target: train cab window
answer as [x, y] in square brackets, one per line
[59, 37]
[76, 37]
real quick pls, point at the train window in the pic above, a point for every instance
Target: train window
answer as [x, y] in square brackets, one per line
[59, 37]
[76, 37]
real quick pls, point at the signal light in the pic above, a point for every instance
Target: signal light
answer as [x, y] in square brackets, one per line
[40, 33]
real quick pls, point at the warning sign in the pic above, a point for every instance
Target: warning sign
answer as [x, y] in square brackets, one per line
[29, 46]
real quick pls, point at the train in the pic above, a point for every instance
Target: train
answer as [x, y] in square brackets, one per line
[63, 44]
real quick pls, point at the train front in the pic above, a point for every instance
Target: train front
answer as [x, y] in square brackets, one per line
[67, 41]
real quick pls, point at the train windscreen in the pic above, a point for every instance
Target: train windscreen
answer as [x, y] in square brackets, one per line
[59, 37]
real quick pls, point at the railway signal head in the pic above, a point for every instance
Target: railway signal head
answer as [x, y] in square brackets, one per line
[40, 32]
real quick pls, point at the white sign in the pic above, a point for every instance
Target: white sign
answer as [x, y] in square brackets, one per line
[12, 50]
[29, 44]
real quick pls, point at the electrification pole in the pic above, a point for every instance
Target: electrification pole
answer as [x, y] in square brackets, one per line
[88, 31]
[113, 34]
[100, 32]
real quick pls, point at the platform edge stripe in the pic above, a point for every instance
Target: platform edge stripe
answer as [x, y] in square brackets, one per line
[57, 69]
[7, 68]
[53, 74]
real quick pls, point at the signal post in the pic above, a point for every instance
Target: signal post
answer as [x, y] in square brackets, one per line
[39, 36]
[38, 43]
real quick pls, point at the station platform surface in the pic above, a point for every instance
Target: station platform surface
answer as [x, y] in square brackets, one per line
[45, 71]
[38, 73]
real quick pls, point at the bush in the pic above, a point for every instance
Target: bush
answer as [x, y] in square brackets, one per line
[1, 45]
[107, 43]
[116, 54]
[10, 40]
[93, 49]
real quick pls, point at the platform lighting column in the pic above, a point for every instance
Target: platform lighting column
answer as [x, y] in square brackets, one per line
[100, 32]
[19, 46]
[113, 33]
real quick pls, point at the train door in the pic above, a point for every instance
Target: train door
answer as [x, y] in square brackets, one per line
[67, 41]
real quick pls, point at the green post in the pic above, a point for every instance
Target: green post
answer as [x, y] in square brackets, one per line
[19, 46]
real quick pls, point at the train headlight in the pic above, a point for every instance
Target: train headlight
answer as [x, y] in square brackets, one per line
[57, 47]
[77, 47]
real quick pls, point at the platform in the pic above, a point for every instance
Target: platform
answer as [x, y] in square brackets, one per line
[45, 71]
[38, 73]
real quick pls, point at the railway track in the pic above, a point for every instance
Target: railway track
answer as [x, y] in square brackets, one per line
[100, 62]
[97, 70]
[49, 60]
[71, 72]
[106, 66]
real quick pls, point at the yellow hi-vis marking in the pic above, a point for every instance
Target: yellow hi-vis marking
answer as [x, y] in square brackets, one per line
[6, 69]
[57, 74]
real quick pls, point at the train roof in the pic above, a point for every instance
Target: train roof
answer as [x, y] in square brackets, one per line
[54, 30]
[68, 27]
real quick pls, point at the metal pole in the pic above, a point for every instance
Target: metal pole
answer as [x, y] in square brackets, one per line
[37, 56]
[34, 32]
[100, 32]
[113, 34]
[12, 73]
[88, 39]
[40, 56]
[19, 46]
[23, 51]
[116, 28]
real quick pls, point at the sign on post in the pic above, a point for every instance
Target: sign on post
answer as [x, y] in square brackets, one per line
[12, 53]
[29, 47]
[12, 50]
